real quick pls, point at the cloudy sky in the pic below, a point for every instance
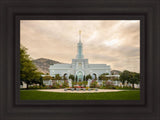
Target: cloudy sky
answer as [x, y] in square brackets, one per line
[112, 42]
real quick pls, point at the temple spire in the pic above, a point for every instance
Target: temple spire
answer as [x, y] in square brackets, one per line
[80, 36]
[79, 48]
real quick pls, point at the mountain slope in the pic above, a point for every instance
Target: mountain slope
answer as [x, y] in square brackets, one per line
[115, 72]
[43, 64]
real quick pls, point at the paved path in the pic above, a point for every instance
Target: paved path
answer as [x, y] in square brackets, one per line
[81, 91]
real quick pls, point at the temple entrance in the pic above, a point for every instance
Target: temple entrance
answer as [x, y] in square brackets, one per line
[80, 76]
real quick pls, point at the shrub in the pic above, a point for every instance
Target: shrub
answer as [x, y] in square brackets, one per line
[101, 87]
[93, 84]
[45, 87]
[84, 83]
[108, 85]
[73, 83]
[55, 86]
[87, 88]
[65, 84]
[124, 87]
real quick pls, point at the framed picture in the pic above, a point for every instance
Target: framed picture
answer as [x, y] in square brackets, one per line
[87, 77]
[79, 60]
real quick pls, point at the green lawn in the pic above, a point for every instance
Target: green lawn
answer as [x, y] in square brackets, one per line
[40, 95]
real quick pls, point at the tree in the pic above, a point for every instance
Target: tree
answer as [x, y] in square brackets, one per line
[64, 76]
[134, 78]
[37, 78]
[41, 81]
[95, 76]
[47, 77]
[114, 78]
[28, 71]
[58, 77]
[102, 77]
[105, 74]
[124, 76]
[130, 77]
[84, 78]
[71, 77]
[88, 77]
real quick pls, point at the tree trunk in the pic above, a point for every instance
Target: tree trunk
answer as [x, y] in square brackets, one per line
[27, 86]
[133, 85]
[123, 83]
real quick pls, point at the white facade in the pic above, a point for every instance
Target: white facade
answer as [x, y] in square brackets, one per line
[79, 66]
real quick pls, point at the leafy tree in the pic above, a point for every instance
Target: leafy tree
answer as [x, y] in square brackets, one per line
[28, 71]
[71, 77]
[88, 77]
[102, 77]
[134, 78]
[105, 74]
[130, 77]
[58, 77]
[114, 78]
[41, 81]
[37, 78]
[47, 77]
[124, 76]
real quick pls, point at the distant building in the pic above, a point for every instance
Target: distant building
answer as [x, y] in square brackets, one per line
[79, 66]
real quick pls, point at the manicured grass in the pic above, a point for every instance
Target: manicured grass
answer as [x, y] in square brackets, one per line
[40, 95]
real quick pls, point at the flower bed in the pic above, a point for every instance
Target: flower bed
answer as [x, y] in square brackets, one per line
[80, 88]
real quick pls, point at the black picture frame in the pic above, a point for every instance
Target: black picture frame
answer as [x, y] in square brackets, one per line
[12, 11]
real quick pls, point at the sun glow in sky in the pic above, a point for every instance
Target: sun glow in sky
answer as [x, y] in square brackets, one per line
[112, 42]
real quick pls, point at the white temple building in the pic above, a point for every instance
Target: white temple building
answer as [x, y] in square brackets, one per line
[80, 66]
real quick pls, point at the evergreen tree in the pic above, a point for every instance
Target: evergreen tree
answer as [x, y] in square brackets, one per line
[84, 78]
[71, 77]
[64, 76]
[88, 77]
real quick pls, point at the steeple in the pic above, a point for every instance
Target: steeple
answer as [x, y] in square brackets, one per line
[79, 48]
[79, 36]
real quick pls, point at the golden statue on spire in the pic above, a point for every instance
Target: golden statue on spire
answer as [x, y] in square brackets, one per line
[80, 32]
